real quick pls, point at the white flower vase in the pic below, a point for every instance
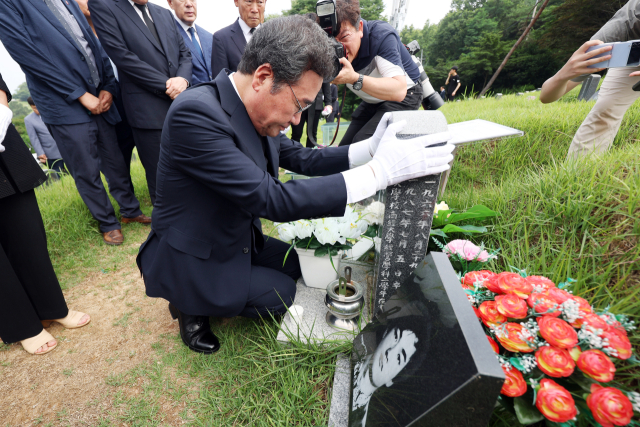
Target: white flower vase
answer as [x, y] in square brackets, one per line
[317, 272]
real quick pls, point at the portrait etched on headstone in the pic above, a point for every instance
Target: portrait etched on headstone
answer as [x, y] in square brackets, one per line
[424, 355]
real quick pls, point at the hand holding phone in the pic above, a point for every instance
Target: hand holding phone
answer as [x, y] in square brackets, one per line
[623, 54]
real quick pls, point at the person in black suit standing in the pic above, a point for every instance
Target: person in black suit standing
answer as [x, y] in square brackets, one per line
[221, 150]
[29, 289]
[229, 42]
[335, 104]
[154, 67]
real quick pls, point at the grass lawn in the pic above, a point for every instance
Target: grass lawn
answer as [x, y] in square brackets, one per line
[579, 220]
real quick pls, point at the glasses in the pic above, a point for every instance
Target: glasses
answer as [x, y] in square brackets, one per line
[300, 109]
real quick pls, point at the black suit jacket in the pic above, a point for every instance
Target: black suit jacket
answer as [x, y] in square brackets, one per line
[214, 184]
[144, 65]
[19, 171]
[228, 47]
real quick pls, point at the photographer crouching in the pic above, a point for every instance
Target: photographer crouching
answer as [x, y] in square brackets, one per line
[378, 69]
[221, 150]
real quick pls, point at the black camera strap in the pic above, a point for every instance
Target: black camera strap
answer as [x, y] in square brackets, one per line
[339, 114]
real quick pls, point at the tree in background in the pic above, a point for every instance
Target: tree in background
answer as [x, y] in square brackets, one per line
[576, 21]
[22, 93]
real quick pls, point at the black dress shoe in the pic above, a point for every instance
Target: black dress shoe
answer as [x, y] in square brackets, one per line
[195, 332]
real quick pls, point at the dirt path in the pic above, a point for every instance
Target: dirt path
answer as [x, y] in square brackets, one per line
[69, 385]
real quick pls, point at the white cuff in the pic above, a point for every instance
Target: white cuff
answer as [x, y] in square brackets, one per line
[361, 183]
[359, 154]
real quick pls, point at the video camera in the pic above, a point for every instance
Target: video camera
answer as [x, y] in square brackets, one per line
[328, 19]
[431, 100]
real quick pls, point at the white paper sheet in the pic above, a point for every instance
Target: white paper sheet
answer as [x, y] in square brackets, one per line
[480, 130]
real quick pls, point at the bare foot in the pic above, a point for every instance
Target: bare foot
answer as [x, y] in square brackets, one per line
[47, 346]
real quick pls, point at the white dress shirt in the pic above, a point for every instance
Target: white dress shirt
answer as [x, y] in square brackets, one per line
[186, 27]
[246, 30]
[360, 179]
[139, 12]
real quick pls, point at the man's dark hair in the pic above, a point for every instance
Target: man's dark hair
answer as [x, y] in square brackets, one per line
[455, 67]
[292, 45]
[348, 11]
[30, 101]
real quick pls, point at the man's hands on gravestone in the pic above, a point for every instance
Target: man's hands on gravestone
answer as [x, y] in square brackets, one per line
[5, 120]
[362, 152]
[397, 160]
[175, 86]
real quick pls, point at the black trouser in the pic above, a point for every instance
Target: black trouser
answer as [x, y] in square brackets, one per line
[29, 288]
[148, 144]
[125, 136]
[87, 149]
[272, 284]
[297, 130]
[366, 117]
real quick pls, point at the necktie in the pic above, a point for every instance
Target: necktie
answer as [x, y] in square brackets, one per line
[148, 22]
[192, 31]
[253, 30]
[69, 23]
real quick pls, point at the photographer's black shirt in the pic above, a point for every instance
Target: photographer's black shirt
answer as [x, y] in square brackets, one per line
[453, 84]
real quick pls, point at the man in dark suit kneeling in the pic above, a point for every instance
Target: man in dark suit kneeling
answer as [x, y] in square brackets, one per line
[218, 175]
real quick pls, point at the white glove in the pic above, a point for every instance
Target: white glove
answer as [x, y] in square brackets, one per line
[5, 120]
[327, 110]
[399, 160]
[362, 152]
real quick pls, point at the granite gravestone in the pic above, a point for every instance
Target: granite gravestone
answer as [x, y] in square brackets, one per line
[424, 360]
[589, 87]
[408, 214]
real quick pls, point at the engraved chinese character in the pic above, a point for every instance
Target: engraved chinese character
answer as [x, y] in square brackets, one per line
[418, 245]
[414, 265]
[422, 224]
[396, 285]
[398, 273]
[382, 293]
[407, 212]
[400, 258]
[402, 244]
[385, 273]
[393, 215]
[405, 223]
[427, 193]
[410, 192]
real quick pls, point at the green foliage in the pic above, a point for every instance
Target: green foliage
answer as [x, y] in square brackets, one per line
[19, 108]
[22, 93]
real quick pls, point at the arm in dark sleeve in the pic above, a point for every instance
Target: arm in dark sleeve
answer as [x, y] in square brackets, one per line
[127, 62]
[185, 66]
[14, 37]
[334, 94]
[219, 59]
[108, 79]
[309, 162]
[201, 145]
[326, 92]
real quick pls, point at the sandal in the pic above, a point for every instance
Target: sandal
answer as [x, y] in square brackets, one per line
[31, 345]
[69, 322]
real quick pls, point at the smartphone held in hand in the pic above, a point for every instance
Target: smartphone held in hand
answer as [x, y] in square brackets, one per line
[623, 54]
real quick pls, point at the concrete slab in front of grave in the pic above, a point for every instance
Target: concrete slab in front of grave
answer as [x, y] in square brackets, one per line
[313, 326]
